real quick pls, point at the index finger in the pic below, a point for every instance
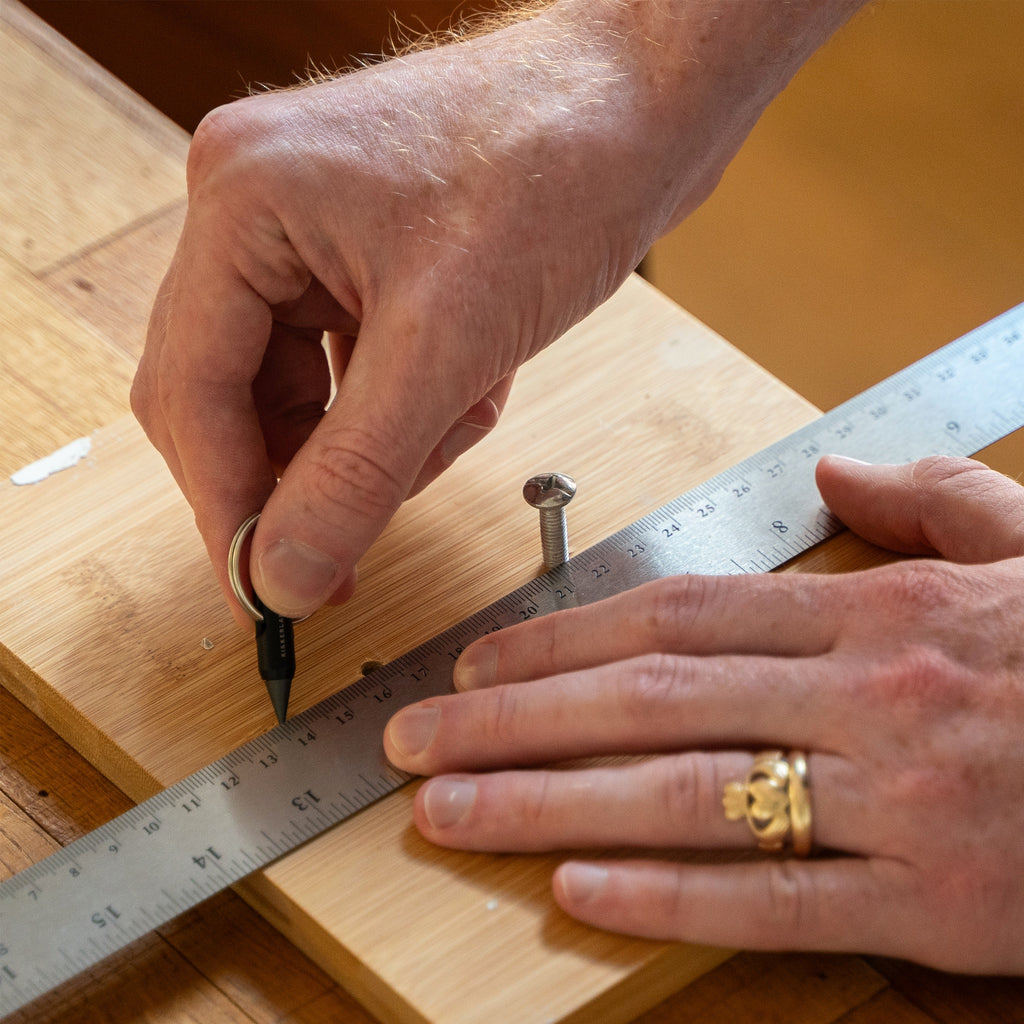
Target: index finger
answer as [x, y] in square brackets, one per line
[644, 705]
[193, 394]
[773, 615]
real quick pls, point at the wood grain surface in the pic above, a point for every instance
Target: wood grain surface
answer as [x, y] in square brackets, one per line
[109, 612]
[89, 556]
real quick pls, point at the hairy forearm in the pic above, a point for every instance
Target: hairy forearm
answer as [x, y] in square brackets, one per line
[723, 33]
[676, 83]
[669, 38]
[620, 113]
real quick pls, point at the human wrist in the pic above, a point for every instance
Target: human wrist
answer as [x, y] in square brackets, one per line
[738, 39]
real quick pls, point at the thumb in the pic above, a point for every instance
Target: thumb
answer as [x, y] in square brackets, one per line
[953, 507]
[354, 471]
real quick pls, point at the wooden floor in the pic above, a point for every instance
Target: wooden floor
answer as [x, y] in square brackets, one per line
[925, 261]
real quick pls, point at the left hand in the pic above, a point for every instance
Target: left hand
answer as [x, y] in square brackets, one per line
[904, 684]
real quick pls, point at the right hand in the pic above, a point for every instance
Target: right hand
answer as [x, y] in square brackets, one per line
[444, 217]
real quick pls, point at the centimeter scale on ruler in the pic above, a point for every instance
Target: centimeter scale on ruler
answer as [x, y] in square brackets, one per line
[242, 812]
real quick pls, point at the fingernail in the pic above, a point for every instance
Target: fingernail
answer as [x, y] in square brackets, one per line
[293, 578]
[446, 801]
[848, 459]
[412, 729]
[477, 668]
[582, 883]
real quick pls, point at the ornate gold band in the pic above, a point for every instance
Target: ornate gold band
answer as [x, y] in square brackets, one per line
[775, 799]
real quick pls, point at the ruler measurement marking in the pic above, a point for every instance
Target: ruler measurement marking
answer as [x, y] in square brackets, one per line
[750, 517]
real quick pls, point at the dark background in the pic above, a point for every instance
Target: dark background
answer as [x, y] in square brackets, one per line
[188, 56]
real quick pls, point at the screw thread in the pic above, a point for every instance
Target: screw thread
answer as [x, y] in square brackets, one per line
[554, 537]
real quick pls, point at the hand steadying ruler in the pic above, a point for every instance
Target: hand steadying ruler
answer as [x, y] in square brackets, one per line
[245, 810]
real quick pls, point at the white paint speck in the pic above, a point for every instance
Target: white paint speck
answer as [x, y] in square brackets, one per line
[492, 904]
[62, 458]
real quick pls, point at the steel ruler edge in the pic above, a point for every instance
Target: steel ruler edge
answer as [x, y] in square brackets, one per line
[81, 904]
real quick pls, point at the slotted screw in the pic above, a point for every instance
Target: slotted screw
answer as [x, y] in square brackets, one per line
[549, 493]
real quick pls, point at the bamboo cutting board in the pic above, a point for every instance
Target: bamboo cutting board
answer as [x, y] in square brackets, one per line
[111, 628]
[114, 632]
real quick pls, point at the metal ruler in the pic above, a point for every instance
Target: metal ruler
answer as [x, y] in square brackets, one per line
[245, 810]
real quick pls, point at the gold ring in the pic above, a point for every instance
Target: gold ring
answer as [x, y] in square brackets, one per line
[775, 799]
[799, 804]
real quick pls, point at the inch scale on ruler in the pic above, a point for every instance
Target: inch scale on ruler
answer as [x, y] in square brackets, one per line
[257, 803]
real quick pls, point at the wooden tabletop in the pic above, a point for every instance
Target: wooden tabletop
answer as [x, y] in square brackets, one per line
[85, 231]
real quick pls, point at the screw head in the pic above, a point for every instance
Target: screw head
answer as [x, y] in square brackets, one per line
[549, 490]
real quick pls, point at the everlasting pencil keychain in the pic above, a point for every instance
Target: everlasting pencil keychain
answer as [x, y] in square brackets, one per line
[275, 638]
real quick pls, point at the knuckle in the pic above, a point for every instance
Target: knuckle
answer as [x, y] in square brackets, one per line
[501, 724]
[908, 788]
[534, 801]
[219, 140]
[675, 604]
[789, 902]
[652, 687]
[678, 899]
[241, 194]
[911, 598]
[954, 905]
[932, 774]
[691, 802]
[920, 682]
[350, 476]
[140, 402]
[935, 470]
[919, 588]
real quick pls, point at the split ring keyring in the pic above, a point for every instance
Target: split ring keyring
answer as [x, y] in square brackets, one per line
[235, 570]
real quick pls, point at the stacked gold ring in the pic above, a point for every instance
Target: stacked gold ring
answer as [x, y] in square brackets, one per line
[775, 799]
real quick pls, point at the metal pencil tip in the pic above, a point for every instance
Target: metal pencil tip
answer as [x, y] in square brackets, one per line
[279, 689]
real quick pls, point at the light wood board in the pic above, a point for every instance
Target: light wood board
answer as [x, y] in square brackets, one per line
[92, 186]
[106, 599]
